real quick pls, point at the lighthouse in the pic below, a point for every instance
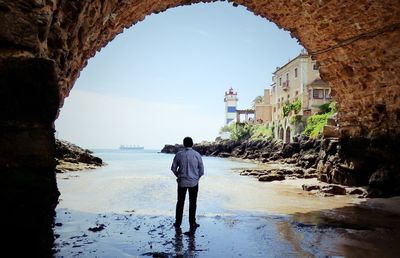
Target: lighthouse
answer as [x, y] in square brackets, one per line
[230, 105]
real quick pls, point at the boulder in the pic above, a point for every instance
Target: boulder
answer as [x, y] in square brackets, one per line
[333, 189]
[271, 177]
[310, 187]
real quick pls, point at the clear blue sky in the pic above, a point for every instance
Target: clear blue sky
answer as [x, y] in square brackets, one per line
[165, 77]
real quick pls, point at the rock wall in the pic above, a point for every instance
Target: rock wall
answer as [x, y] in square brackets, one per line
[304, 154]
[44, 44]
[361, 162]
[346, 161]
[29, 101]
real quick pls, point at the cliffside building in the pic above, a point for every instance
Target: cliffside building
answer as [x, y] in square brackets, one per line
[296, 81]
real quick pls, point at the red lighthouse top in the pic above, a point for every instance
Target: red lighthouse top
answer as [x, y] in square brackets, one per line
[230, 92]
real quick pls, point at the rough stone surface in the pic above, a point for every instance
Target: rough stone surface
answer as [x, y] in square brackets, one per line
[310, 187]
[71, 157]
[44, 44]
[360, 162]
[355, 44]
[333, 189]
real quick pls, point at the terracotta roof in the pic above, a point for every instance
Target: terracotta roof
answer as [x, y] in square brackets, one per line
[318, 82]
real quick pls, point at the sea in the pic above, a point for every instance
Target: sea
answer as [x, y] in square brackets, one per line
[142, 180]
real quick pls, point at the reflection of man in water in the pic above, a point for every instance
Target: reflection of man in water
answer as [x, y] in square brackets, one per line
[188, 168]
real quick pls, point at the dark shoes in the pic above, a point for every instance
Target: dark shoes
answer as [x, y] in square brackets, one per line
[194, 225]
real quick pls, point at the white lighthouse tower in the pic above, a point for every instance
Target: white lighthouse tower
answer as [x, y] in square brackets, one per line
[230, 105]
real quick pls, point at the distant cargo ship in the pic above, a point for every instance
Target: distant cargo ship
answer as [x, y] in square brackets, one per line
[131, 147]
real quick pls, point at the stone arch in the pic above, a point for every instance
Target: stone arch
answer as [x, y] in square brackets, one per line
[288, 135]
[351, 42]
[45, 45]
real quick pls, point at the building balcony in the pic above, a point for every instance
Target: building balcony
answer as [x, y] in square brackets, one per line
[285, 85]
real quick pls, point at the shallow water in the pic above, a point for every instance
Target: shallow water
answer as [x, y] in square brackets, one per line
[131, 202]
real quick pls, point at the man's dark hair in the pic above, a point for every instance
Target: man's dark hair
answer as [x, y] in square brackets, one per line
[187, 142]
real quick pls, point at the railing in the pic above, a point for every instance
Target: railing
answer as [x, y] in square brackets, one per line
[285, 85]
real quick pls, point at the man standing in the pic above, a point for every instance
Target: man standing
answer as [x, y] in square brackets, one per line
[188, 168]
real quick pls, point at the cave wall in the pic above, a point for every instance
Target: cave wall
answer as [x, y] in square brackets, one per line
[44, 44]
[355, 44]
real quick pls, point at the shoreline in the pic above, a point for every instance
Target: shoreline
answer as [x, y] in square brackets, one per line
[278, 162]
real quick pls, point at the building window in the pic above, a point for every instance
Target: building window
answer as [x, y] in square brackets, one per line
[280, 81]
[315, 67]
[288, 97]
[287, 77]
[295, 72]
[318, 93]
[274, 109]
[297, 92]
[327, 94]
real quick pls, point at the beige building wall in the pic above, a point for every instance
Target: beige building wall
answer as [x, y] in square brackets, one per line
[264, 110]
[263, 113]
[294, 81]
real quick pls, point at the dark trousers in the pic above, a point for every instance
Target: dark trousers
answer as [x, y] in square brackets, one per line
[192, 204]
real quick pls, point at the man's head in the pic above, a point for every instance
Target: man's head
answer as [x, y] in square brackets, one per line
[187, 142]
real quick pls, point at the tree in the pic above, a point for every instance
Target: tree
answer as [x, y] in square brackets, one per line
[257, 100]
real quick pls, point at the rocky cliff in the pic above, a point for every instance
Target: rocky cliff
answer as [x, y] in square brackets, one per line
[71, 157]
[325, 159]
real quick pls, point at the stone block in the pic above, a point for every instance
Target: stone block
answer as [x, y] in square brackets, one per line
[28, 90]
[330, 131]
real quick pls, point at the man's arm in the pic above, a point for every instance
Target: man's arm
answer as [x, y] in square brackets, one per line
[200, 166]
[174, 166]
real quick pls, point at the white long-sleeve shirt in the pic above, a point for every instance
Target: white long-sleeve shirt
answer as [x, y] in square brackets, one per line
[187, 167]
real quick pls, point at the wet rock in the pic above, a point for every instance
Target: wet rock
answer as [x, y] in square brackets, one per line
[271, 177]
[289, 149]
[380, 178]
[310, 173]
[255, 172]
[310, 187]
[224, 155]
[322, 194]
[98, 227]
[290, 160]
[375, 193]
[71, 157]
[157, 254]
[333, 189]
[356, 191]
[171, 149]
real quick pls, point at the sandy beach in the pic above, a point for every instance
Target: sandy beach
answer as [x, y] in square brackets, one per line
[116, 211]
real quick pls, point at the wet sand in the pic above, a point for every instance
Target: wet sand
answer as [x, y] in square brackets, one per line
[121, 214]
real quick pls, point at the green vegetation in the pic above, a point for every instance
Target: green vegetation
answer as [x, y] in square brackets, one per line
[261, 132]
[224, 129]
[327, 107]
[245, 131]
[295, 119]
[295, 106]
[316, 122]
[257, 100]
